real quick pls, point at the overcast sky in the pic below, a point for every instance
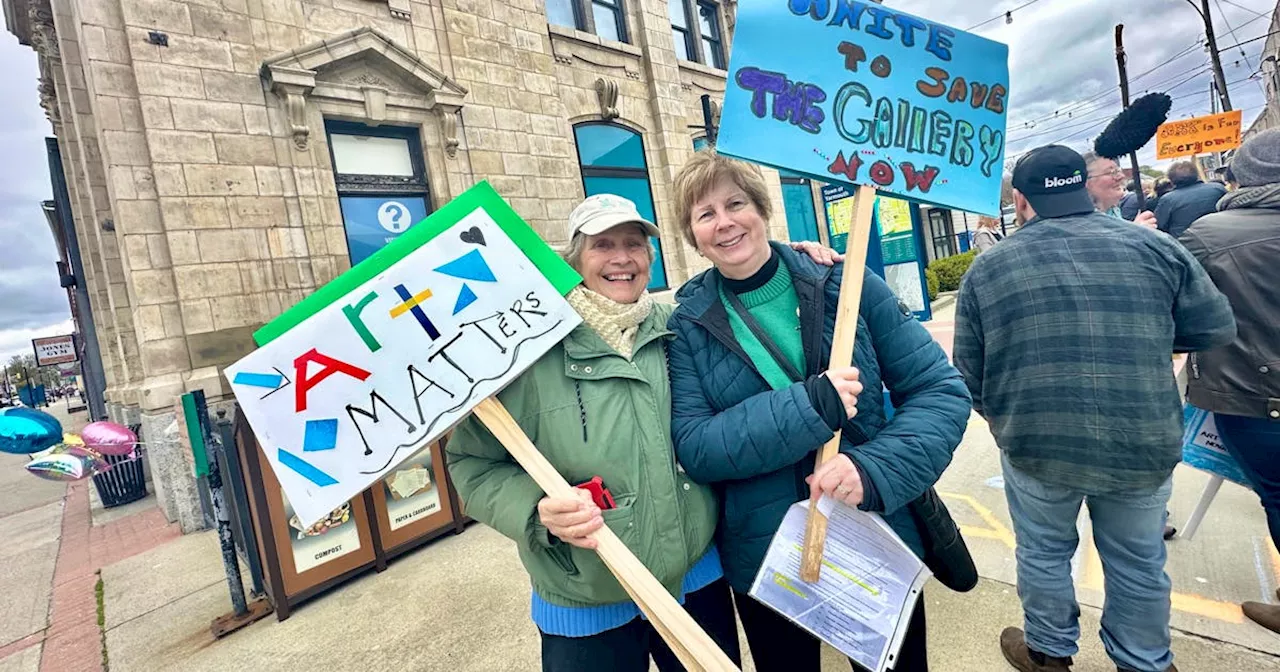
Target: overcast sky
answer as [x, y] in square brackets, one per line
[1061, 54]
[31, 302]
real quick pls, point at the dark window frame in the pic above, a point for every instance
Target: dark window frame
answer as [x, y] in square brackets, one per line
[584, 17]
[947, 239]
[380, 186]
[693, 37]
[622, 172]
[352, 184]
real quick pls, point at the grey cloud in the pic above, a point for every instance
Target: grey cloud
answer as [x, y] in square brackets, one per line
[30, 297]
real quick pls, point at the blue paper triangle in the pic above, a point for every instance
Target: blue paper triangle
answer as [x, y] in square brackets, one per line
[466, 297]
[470, 266]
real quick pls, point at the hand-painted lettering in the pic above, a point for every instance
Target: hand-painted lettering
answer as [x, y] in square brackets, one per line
[760, 83]
[843, 96]
[444, 353]
[940, 41]
[995, 101]
[417, 396]
[921, 180]
[372, 413]
[992, 144]
[329, 366]
[962, 147]
[352, 313]
[879, 17]
[908, 25]
[939, 131]
[881, 67]
[938, 87]
[853, 55]
[881, 173]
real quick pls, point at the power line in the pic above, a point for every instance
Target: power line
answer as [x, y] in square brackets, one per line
[1094, 122]
[1196, 72]
[1251, 11]
[1007, 15]
[1232, 32]
[1241, 44]
[1073, 108]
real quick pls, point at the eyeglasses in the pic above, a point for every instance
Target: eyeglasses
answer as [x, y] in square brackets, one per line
[1114, 172]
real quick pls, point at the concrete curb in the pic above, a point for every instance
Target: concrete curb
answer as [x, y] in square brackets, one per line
[944, 300]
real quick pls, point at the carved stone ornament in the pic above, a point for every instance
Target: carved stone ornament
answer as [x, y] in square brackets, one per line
[295, 107]
[49, 99]
[318, 73]
[44, 38]
[607, 94]
[400, 9]
[449, 128]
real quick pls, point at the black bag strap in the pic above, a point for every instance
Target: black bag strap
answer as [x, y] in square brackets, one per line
[787, 367]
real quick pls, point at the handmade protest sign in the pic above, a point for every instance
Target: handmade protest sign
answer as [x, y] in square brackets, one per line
[353, 381]
[856, 92]
[363, 374]
[1188, 137]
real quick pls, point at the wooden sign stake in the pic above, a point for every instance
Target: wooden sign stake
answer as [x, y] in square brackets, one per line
[687, 640]
[855, 263]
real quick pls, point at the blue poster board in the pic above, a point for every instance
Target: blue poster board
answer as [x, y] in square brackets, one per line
[864, 94]
[374, 221]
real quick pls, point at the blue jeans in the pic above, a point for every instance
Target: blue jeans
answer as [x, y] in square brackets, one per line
[1127, 529]
[1255, 443]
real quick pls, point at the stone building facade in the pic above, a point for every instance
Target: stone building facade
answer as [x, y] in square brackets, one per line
[202, 143]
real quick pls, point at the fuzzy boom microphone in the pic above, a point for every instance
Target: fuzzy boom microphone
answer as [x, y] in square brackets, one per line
[1134, 127]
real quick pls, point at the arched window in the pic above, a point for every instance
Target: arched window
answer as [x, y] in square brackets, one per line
[612, 161]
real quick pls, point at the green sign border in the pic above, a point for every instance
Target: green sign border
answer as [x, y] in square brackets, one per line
[560, 274]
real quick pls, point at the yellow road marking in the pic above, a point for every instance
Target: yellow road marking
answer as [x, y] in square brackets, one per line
[1091, 565]
[994, 530]
[411, 303]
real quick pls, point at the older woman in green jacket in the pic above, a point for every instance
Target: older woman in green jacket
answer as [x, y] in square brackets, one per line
[599, 404]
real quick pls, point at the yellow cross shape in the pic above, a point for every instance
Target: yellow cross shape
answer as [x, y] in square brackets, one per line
[411, 303]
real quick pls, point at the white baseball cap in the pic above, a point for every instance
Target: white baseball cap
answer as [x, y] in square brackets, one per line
[602, 212]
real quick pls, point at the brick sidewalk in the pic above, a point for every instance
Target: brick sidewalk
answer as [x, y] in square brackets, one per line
[73, 640]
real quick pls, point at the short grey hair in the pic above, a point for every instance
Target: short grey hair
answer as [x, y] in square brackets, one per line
[572, 253]
[1091, 158]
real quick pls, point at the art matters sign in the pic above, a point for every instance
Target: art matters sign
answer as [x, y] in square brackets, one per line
[364, 374]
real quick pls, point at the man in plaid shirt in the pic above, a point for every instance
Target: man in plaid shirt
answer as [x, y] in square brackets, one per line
[1064, 333]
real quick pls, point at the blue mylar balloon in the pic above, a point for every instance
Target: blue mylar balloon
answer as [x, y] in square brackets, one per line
[24, 431]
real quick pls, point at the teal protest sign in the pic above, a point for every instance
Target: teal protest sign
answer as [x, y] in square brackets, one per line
[859, 93]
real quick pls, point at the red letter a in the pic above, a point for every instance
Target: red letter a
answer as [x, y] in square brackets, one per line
[331, 366]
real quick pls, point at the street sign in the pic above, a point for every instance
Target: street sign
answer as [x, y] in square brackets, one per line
[55, 350]
[1198, 135]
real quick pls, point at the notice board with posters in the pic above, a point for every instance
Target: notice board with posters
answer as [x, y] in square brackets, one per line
[864, 94]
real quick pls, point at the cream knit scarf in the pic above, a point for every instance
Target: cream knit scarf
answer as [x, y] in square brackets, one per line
[617, 323]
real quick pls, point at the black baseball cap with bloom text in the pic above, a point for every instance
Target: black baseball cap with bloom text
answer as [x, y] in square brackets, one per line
[1052, 178]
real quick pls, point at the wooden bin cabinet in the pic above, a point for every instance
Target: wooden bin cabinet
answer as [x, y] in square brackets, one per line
[287, 584]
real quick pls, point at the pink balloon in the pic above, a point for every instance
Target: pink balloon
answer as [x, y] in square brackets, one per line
[109, 438]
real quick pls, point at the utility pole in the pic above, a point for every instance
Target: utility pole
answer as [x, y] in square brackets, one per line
[1212, 42]
[1124, 98]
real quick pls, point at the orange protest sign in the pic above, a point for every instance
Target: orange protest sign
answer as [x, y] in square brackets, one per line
[1188, 137]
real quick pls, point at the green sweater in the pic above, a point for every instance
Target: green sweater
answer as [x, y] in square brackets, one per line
[776, 308]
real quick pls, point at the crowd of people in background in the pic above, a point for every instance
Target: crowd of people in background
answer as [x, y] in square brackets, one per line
[709, 414]
[1081, 421]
